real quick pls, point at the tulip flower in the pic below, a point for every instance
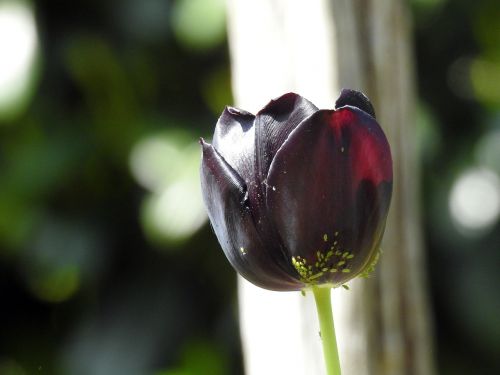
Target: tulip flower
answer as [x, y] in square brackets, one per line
[299, 196]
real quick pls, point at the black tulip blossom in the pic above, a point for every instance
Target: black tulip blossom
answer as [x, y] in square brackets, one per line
[299, 196]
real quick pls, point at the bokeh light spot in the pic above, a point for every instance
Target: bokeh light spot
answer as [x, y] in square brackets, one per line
[148, 161]
[487, 150]
[168, 167]
[18, 49]
[199, 24]
[474, 201]
[177, 212]
[57, 285]
[144, 20]
[200, 357]
[458, 78]
[485, 75]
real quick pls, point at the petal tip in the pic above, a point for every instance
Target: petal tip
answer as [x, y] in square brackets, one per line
[355, 99]
[281, 104]
[204, 145]
[236, 112]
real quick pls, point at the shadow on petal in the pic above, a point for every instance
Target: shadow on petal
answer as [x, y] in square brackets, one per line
[225, 195]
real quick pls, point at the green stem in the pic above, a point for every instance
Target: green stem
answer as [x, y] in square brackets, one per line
[327, 329]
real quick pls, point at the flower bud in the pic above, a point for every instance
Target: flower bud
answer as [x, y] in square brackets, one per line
[299, 196]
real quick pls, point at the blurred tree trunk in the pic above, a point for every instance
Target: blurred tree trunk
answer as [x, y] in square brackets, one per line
[315, 48]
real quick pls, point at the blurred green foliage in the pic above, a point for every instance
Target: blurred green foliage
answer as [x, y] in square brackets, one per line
[107, 264]
[458, 62]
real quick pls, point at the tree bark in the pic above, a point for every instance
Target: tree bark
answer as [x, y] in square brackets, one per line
[315, 48]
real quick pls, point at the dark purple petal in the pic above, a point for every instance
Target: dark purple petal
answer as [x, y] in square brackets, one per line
[356, 99]
[234, 139]
[274, 123]
[328, 192]
[225, 196]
